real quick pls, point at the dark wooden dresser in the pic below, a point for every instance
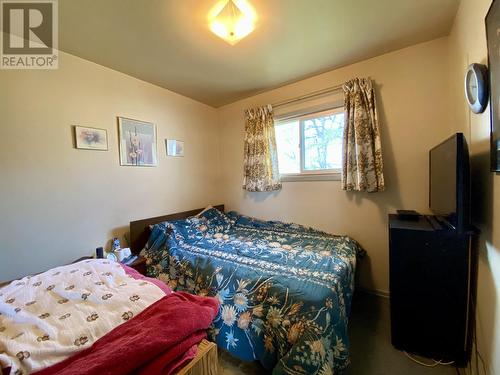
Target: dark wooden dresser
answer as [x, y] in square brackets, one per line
[431, 284]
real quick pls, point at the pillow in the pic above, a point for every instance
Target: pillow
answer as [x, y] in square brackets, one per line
[248, 221]
[211, 220]
[208, 208]
[156, 237]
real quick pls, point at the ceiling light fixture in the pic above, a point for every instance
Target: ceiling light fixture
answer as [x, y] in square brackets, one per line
[232, 20]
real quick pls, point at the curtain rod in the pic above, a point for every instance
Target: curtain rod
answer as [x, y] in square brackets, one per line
[308, 96]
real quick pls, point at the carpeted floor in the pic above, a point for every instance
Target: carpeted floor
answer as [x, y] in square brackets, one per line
[371, 349]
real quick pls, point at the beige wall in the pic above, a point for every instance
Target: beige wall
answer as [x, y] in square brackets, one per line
[59, 203]
[413, 101]
[468, 45]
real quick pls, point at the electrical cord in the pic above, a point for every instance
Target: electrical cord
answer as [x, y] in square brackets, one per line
[476, 353]
[433, 364]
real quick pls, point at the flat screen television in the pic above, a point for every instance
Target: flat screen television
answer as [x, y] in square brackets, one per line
[449, 182]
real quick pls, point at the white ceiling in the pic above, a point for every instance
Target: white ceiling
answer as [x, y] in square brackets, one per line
[167, 42]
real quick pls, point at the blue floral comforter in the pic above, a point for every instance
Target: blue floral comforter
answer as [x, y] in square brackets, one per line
[284, 289]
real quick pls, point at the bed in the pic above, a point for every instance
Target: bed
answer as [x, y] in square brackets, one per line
[97, 316]
[284, 290]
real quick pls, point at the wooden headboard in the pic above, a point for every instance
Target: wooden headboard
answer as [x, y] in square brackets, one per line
[139, 229]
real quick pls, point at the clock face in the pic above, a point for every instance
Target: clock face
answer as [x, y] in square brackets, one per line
[471, 86]
[476, 87]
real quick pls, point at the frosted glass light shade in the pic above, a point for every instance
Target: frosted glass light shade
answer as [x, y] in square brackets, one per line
[232, 20]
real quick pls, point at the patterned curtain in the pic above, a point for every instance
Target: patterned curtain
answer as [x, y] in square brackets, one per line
[362, 153]
[261, 158]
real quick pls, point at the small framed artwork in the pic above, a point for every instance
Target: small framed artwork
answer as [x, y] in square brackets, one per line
[91, 138]
[137, 142]
[174, 147]
[493, 43]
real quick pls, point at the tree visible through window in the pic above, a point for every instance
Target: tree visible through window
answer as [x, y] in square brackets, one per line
[310, 144]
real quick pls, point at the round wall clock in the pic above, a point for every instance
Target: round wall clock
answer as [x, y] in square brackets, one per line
[476, 87]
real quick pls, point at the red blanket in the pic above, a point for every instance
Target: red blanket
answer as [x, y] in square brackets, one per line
[157, 341]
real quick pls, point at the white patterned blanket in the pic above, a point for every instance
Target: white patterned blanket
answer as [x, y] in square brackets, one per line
[47, 318]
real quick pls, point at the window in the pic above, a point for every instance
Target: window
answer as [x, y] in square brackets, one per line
[310, 147]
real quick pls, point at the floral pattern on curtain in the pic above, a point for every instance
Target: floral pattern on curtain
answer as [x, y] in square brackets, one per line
[261, 158]
[362, 152]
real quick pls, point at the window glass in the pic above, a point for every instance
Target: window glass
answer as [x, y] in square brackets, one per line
[310, 144]
[323, 142]
[288, 144]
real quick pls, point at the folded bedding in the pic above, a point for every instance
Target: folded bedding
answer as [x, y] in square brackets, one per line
[62, 313]
[284, 289]
[159, 340]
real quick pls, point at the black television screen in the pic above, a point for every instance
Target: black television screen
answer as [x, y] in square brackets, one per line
[449, 181]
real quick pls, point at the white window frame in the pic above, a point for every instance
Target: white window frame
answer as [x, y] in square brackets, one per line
[306, 175]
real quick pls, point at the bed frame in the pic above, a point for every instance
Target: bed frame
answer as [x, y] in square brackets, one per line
[139, 229]
[206, 361]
